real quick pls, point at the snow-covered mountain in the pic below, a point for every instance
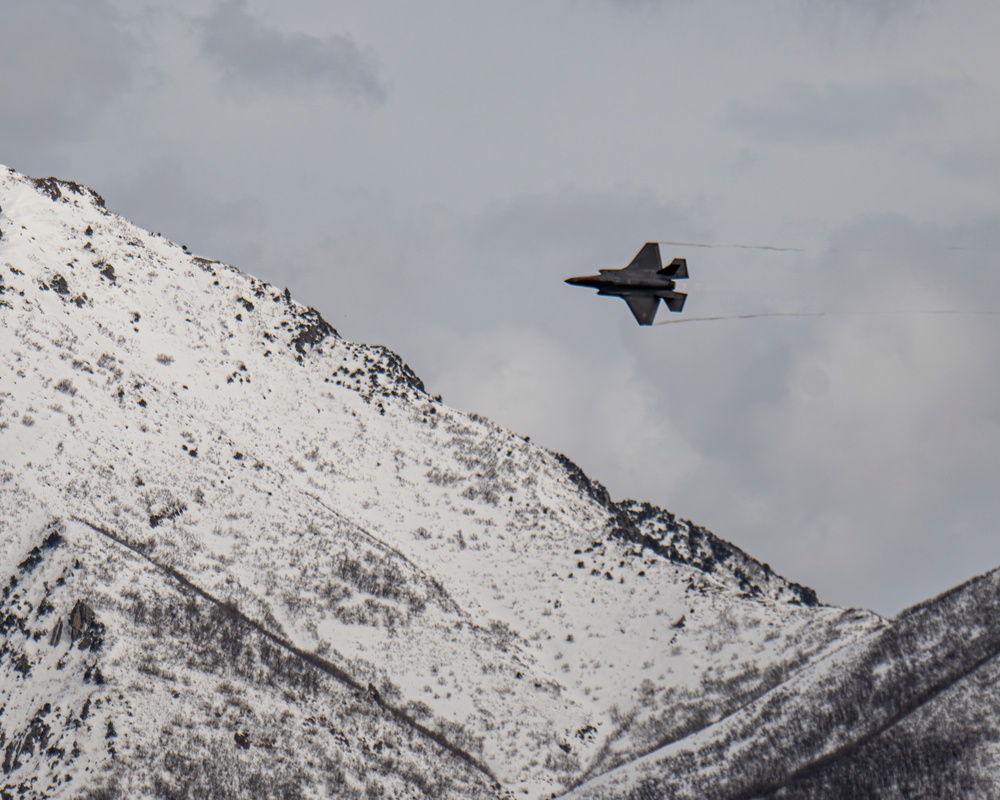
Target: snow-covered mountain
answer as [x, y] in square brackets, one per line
[244, 557]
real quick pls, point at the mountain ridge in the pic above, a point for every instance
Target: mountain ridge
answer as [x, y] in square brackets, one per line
[297, 573]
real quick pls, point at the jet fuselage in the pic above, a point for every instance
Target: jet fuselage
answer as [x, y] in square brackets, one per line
[617, 282]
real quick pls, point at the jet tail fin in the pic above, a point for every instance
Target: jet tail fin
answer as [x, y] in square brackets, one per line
[676, 269]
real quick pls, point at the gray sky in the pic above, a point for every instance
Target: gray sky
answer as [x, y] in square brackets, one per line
[427, 175]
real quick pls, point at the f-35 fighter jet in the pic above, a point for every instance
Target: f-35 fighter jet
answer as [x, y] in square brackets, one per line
[642, 283]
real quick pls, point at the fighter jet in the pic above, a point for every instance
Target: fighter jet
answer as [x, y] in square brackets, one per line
[642, 283]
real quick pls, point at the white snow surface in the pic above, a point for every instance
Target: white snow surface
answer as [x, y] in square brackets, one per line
[189, 441]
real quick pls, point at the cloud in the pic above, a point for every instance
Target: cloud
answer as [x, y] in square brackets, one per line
[874, 14]
[640, 5]
[855, 453]
[592, 406]
[248, 51]
[868, 17]
[974, 160]
[63, 63]
[573, 222]
[801, 114]
[162, 195]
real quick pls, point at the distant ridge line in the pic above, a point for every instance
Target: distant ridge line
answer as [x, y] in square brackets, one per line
[314, 660]
[446, 598]
[840, 753]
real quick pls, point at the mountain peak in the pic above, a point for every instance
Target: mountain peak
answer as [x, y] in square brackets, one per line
[247, 557]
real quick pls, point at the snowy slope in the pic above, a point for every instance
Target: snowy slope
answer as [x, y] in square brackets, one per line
[288, 562]
[910, 711]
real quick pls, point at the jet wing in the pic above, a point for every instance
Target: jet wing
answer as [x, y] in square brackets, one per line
[642, 306]
[647, 259]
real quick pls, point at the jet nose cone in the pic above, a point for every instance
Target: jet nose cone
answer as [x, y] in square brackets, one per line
[574, 281]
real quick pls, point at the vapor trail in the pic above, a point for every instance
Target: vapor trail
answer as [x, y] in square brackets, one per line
[826, 314]
[776, 248]
[738, 246]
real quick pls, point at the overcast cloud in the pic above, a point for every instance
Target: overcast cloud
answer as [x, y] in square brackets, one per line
[800, 114]
[63, 64]
[855, 451]
[247, 50]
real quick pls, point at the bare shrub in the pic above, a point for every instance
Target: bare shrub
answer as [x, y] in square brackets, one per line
[66, 387]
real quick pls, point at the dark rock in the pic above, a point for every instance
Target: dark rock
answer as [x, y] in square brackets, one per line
[53, 188]
[312, 330]
[58, 285]
[56, 636]
[84, 629]
[35, 739]
[80, 618]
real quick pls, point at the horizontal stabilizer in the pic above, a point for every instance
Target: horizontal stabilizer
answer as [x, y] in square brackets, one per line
[676, 303]
[676, 269]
